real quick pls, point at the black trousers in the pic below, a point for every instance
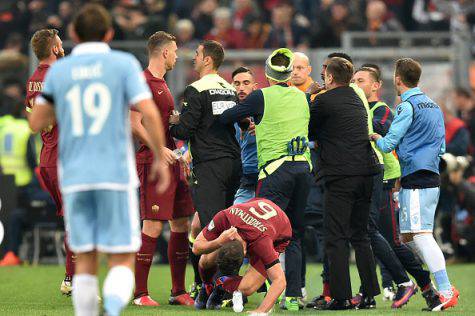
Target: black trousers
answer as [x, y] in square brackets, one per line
[288, 188]
[214, 185]
[381, 248]
[389, 227]
[347, 208]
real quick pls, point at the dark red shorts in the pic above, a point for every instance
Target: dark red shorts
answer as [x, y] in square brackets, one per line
[174, 203]
[48, 177]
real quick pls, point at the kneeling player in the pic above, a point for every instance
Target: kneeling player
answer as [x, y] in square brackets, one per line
[260, 229]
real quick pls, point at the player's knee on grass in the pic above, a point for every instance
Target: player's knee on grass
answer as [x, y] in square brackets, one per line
[152, 228]
[179, 225]
[230, 257]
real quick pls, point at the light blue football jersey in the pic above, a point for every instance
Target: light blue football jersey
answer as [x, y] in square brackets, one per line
[92, 90]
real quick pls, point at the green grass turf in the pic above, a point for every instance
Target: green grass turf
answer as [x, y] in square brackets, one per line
[30, 290]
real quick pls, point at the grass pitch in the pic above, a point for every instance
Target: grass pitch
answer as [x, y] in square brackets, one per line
[31, 290]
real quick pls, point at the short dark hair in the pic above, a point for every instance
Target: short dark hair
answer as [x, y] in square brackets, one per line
[230, 257]
[341, 70]
[92, 23]
[241, 70]
[159, 39]
[462, 92]
[280, 59]
[341, 55]
[373, 72]
[214, 50]
[42, 42]
[370, 65]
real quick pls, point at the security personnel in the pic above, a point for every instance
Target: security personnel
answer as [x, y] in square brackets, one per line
[214, 149]
[17, 157]
[281, 115]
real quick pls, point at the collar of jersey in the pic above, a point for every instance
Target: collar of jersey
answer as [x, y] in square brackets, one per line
[90, 48]
[409, 93]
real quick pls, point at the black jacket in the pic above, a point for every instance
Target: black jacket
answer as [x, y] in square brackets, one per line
[339, 124]
[204, 101]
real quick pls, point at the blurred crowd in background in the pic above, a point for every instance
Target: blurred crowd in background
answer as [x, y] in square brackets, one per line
[257, 24]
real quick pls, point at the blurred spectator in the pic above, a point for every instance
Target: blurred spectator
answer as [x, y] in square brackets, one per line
[202, 17]
[184, 32]
[285, 31]
[429, 17]
[331, 22]
[464, 104]
[223, 31]
[257, 33]
[457, 136]
[131, 20]
[243, 10]
[12, 61]
[38, 15]
[378, 18]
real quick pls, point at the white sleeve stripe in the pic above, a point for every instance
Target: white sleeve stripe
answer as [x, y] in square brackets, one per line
[140, 97]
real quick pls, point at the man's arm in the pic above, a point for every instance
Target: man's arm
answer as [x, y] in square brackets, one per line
[190, 117]
[42, 115]
[382, 119]
[253, 106]
[204, 246]
[398, 129]
[278, 284]
[138, 130]
[316, 113]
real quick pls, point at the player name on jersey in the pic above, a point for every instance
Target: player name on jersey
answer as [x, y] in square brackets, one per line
[87, 72]
[35, 86]
[247, 218]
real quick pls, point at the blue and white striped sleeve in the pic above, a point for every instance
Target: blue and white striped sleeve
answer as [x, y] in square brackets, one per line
[398, 129]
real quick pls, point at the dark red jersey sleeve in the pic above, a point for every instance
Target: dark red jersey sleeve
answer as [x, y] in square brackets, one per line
[263, 248]
[218, 224]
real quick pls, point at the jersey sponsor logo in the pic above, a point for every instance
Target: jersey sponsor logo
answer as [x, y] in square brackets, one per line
[155, 208]
[220, 106]
[248, 219]
[428, 105]
[211, 225]
[221, 92]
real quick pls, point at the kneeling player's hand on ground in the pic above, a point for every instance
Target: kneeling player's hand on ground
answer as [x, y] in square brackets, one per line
[161, 172]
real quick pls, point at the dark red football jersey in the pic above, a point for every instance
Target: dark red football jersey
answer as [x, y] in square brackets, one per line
[34, 86]
[261, 223]
[165, 104]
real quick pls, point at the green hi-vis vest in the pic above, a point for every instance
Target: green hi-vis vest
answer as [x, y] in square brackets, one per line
[392, 170]
[362, 96]
[286, 116]
[14, 135]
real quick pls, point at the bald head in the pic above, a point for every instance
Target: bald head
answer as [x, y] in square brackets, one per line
[301, 69]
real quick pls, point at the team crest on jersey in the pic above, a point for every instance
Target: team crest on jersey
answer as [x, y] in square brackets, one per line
[211, 225]
[155, 208]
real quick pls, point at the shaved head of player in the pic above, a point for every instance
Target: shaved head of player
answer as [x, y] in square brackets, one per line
[174, 205]
[301, 70]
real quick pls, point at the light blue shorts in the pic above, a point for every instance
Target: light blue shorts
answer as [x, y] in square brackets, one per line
[105, 220]
[417, 209]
